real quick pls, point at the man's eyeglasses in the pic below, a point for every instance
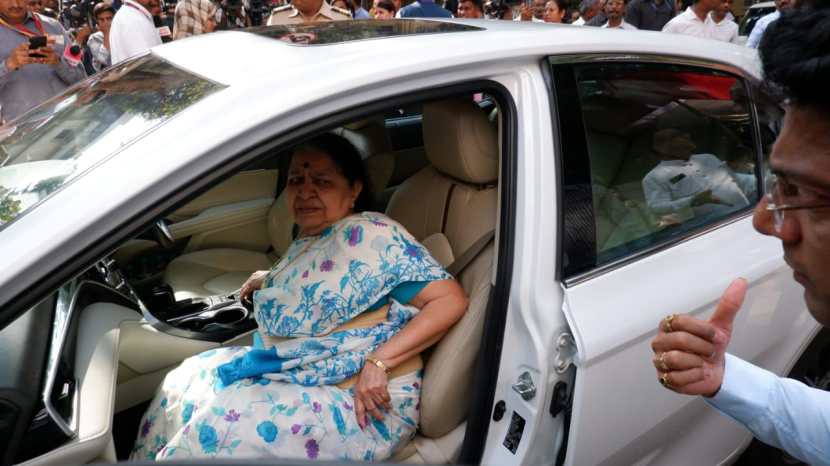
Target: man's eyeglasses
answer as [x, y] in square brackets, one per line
[783, 196]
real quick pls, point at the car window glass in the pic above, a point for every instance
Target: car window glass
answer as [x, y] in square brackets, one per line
[55, 143]
[669, 149]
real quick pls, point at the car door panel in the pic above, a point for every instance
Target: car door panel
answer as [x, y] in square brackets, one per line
[614, 316]
[232, 214]
[244, 186]
[239, 225]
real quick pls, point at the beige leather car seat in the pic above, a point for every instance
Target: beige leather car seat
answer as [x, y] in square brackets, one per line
[216, 271]
[455, 197]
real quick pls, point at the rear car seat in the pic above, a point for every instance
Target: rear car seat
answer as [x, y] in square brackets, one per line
[453, 202]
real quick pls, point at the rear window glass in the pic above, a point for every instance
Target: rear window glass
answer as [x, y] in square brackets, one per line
[668, 150]
[58, 141]
[333, 32]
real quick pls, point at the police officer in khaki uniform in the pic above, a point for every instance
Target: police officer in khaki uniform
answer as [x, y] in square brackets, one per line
[307, 11]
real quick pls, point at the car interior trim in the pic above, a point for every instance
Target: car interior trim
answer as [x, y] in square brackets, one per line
[68, 427]
[489, 359]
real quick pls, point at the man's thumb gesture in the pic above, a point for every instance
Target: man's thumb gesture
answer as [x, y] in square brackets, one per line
[729, 305]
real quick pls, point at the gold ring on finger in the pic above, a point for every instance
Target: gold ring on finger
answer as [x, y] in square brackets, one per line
[667, 323]
[661, 361]
[664, 381]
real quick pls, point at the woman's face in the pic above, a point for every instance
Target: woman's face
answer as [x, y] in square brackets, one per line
[552, 13]
[382, 13]
[318, 194]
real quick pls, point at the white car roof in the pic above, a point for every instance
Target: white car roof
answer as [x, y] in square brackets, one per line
[239, 58]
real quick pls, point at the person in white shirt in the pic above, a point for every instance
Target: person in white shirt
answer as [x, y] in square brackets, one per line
[615, 11]
[758, 31]
[725, 28]
[695, 21]
[686, 185]
[133, 31]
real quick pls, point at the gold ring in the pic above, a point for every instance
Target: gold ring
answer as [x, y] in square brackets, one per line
[667, 323]
[664, 381]
[661, 361]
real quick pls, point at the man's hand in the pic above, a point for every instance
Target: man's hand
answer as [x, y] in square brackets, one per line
[706, 197]
[20, 57]
[371, 394]
[50, 57]
[527, 13]
[689, 353]
[83, 35]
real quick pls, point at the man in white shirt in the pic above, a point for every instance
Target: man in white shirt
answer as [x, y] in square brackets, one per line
[690, 354]
[133, 31]
[615, 11]
[761, 25]
[687, 185]
[725, 28]
[695, 20]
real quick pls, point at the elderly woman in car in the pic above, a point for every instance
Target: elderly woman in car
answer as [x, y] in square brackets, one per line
[335, 369]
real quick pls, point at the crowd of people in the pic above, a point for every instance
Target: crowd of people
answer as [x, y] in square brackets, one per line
[90, 35]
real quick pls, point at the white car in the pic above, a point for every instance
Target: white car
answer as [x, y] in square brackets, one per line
[134, 205]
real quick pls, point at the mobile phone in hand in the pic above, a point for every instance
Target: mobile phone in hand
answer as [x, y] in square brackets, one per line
[36, 42]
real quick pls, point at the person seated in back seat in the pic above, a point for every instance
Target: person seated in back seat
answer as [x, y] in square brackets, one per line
[685, 185]
[335, 371]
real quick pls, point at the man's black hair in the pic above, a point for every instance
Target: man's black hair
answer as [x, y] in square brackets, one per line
[347, 160]
[795, 53]
[477, 3]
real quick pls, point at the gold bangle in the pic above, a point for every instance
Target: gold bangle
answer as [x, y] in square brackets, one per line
[380, 364]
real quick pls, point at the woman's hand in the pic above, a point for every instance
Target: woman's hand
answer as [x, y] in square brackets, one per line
[371, 394]
[253, 283]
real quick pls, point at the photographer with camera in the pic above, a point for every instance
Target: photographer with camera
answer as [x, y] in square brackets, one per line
[37, 59]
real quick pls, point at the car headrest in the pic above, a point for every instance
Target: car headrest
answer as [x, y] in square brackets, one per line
[460, 141]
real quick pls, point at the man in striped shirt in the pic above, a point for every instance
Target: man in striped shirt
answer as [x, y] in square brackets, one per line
[194, 17]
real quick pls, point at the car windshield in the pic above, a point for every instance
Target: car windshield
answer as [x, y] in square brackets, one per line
[57, 142]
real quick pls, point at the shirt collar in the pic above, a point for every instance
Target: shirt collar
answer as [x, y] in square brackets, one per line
[690, 15]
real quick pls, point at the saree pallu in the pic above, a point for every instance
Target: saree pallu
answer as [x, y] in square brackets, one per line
[290, 398]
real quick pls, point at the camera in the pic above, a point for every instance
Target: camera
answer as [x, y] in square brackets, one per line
[495, 9]
[78, 13]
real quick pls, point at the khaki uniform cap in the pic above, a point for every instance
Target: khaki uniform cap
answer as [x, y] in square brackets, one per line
[289, 15]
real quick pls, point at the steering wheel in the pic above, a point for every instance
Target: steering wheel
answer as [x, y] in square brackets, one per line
[163, 234]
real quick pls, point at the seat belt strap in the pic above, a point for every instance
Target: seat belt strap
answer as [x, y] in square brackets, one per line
[471, 253]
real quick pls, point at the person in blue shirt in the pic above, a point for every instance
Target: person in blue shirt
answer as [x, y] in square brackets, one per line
[690, 354]
[423, 9]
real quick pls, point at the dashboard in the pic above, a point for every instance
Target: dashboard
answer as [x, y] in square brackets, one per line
[108, 353]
